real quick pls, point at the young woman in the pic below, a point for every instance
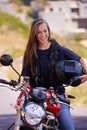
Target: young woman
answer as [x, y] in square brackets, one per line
[40, 57]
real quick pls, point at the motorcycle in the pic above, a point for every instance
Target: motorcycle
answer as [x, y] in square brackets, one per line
[36, 108]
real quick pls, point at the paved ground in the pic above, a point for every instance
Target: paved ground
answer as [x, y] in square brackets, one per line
[79, 114]
[6, 121]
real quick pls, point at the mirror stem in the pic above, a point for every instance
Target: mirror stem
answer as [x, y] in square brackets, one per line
[16, 72]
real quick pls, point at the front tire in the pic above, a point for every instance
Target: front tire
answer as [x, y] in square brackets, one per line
[25, 128]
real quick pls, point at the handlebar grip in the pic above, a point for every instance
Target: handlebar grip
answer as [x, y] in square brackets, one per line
[11, 83]
[71, 96]
[4, 81]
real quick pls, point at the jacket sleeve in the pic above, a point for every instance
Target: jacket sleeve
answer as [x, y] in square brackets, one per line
[67, 54]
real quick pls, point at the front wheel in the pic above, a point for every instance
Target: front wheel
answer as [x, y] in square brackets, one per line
[25, 128]
[29, 128]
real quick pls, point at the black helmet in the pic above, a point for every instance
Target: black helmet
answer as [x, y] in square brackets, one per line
[68, 72]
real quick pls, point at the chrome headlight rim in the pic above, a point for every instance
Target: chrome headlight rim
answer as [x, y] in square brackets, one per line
[24, 114]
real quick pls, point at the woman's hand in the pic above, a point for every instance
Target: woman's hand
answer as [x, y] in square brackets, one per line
[26, 80]
[83, 78]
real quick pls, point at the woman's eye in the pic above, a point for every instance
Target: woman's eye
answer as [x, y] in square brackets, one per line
[38, 32]
[45, 30]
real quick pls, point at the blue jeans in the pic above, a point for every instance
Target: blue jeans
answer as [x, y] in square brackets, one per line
[64, 118]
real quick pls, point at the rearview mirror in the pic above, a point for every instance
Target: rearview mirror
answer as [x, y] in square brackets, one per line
[6, 60]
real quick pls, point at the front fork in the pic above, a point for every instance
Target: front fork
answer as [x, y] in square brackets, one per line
[18, 121]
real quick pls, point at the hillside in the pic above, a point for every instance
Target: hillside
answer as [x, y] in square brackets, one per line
[13, 35]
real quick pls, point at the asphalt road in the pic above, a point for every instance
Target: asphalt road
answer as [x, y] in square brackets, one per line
[79, 114]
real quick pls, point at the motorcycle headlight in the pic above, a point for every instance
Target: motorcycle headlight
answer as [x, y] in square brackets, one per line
[33, 114]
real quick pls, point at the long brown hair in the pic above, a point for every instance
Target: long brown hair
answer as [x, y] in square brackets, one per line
[31, 48]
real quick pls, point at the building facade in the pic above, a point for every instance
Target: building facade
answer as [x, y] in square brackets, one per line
[69, 16]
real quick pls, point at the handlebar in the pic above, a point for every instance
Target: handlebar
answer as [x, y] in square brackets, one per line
[14, 83]
[10, 83]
